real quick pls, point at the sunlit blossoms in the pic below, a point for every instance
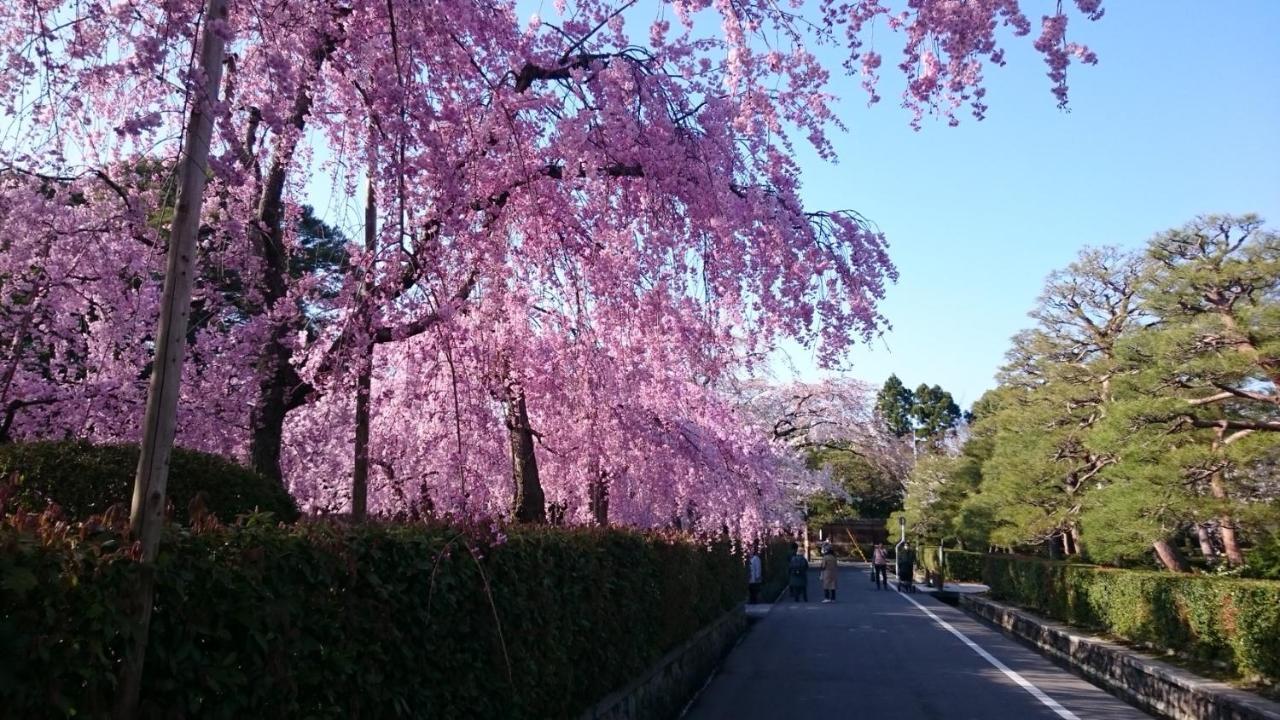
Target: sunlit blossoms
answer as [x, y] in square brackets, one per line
[585, 225]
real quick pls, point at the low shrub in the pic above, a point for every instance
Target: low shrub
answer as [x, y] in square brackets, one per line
[1226, 620]
[85, 479]
[322, 620]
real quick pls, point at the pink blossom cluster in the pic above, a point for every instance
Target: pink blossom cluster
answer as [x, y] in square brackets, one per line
[596, 213]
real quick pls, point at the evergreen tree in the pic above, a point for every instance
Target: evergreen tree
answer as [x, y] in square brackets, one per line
[894, 407]
[1059, 378]
[1200, 420]
[935, 414]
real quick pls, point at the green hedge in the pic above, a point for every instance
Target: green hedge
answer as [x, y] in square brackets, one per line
[964, 566]
[773, 565]
[330, 621]
[85, 479]
[1226, 620]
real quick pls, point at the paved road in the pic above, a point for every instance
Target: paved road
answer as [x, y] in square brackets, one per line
[874, 654]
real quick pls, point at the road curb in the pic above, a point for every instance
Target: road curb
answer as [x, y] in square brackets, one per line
[1140, 680]
[668, 684]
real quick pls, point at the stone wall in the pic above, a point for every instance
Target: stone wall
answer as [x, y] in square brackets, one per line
[662, 692]
[1139, 679]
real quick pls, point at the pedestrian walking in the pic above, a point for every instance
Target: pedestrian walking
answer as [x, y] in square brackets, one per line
[830, 569]
[755, 576]
[880, 566]
[798, 569]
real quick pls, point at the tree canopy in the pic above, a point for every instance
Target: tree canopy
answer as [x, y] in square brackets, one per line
[1141, 412]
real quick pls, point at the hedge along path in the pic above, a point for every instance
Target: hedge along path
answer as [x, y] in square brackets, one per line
[1227, 620]
[323, 620]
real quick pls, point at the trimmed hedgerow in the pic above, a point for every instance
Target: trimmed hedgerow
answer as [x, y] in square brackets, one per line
[964, 566]
[1227, 620]
[330, 621]
[773, 562]
[85, 479]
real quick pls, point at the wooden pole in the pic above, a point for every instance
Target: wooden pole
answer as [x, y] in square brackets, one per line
[147, 515]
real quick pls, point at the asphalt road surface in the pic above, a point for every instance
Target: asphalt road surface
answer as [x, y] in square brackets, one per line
[877, 654]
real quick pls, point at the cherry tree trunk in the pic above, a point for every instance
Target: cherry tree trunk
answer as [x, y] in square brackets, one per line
[1170, 557]
[364, 378]
[279, 386]
[159, 425]
[266, 418]
[599, 499]
[529, 503]
[275, 373]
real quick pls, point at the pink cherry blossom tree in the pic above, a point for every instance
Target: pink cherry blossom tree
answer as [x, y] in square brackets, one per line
[585, 226]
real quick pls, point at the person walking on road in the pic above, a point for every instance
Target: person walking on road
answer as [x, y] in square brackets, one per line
[880, 566]
[754, 576]
[798, 569]
[829, 570]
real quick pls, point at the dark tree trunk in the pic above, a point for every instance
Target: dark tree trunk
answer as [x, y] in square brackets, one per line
[1170, 557]
[278, 382]
[266, 418]
[364, 377]
[360, 471]
[529, 503]
[599, 499]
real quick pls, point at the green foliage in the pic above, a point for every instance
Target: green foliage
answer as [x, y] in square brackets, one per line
[935, 414]
[927, 414]
[1142, 406]
[773, 562]
[86, 479]
[330, 621]
[894, 405]
[1236, 622]
[959, 565]
[872, 491]
[936, 491]
[1263, 560]
[964, 566]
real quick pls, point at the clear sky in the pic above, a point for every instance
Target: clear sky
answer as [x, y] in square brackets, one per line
[1180, 117]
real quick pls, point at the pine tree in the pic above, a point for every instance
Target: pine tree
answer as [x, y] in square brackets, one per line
[894, 406]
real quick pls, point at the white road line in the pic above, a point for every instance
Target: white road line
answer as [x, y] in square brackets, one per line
[1035, 691]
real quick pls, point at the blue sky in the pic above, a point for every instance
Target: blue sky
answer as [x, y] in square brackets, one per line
[1180, 117]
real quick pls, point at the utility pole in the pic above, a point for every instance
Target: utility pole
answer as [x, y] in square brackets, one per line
[146, 519]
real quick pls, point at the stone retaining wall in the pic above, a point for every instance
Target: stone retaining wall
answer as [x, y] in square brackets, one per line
[1141, 680]
[661, 692]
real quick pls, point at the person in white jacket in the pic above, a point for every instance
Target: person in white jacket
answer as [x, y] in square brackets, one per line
[755, 576]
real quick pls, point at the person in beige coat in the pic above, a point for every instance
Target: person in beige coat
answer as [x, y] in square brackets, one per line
[829, 571]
